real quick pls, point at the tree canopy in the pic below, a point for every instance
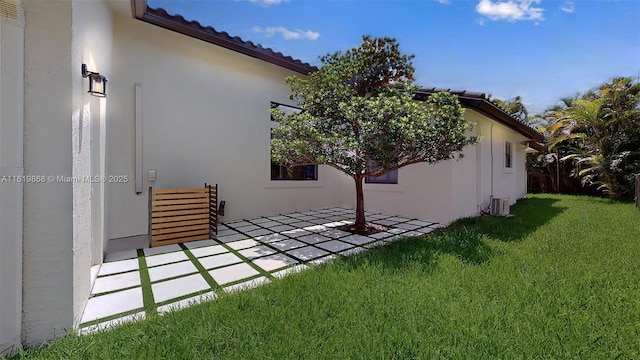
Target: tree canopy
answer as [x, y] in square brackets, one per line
[597, 136]
[360, 117]
[514, 107]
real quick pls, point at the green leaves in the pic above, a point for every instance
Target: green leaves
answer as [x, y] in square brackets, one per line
[359, 109]
[596, 131]
[360, 117]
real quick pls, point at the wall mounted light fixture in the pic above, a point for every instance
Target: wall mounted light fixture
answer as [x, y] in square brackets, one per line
[529, 149]
[97, 82]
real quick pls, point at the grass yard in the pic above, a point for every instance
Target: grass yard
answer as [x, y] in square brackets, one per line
[560, 279]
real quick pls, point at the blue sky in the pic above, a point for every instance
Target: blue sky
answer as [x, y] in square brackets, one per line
[539, 49]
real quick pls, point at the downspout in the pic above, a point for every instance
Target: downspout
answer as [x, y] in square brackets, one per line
[492, 169]
[488, 208]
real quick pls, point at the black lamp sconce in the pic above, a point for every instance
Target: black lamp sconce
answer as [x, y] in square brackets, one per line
[97, 82]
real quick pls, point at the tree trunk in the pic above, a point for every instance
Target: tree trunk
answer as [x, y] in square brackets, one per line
[360, 222]
[552, 177]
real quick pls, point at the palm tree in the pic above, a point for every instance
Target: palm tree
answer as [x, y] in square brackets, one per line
[600, 134]
[515, 107]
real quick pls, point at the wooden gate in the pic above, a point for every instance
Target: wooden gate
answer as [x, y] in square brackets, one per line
[182, 215]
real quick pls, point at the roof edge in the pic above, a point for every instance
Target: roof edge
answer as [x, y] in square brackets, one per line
[160, 17]
[480, 103]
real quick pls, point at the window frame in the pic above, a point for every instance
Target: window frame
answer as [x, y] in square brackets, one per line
[508, 155]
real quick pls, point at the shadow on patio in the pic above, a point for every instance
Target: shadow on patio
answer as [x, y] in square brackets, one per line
[134, 283]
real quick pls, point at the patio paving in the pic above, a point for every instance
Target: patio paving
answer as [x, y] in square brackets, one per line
[245, 254]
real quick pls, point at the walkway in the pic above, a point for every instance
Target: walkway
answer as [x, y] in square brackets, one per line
[131, 284]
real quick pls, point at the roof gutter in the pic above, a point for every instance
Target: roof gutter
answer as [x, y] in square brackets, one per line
[493, 111]
[479, 103]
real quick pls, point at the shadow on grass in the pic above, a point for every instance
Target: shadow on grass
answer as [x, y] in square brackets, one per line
[527, 216]
[421, 253]
[465, 238]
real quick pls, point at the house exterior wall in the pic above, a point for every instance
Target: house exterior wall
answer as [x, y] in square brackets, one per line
[494, 178]
[453, 189]
[58, 116]
[423, 191]
[92, 45]
[464, 178]
[11, 164]
[48, 225]
[205, 115]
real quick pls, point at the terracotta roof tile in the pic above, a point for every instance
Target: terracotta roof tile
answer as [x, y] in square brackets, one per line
[193, 28]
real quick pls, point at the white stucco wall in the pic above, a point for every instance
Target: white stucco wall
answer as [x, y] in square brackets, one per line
[506, 182]
[91, 45]
[494, 179]
[464, 186]
[423, 191]
[205, 119]
[48, 222]
[11, 165]
[58, 120]
[453, 189]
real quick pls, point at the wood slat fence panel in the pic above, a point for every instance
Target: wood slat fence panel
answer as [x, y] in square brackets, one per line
[182, 215]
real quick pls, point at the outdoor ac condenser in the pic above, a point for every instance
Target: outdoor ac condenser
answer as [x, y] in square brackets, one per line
[500, 206]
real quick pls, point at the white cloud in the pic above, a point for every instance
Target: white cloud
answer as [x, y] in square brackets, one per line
[286, 33]
[480, 21]
[512, 10]
[569, 7]
[268, 2]
[446, 2]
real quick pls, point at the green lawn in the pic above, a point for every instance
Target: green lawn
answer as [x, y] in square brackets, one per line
[560, 279]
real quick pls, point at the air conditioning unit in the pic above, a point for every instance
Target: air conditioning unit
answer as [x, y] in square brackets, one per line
[500, 206]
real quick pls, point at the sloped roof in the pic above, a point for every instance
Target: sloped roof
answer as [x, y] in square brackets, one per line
[479, 102]
[178, 23]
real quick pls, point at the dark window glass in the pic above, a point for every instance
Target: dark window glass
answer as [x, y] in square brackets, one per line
[303, 172]
[388, 178]
[507, 154]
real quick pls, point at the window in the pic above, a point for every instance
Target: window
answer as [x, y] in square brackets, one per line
[508, 157]
[303, 172]
[389, 178]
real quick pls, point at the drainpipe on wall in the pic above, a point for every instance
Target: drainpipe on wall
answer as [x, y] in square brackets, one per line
[492, 169]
